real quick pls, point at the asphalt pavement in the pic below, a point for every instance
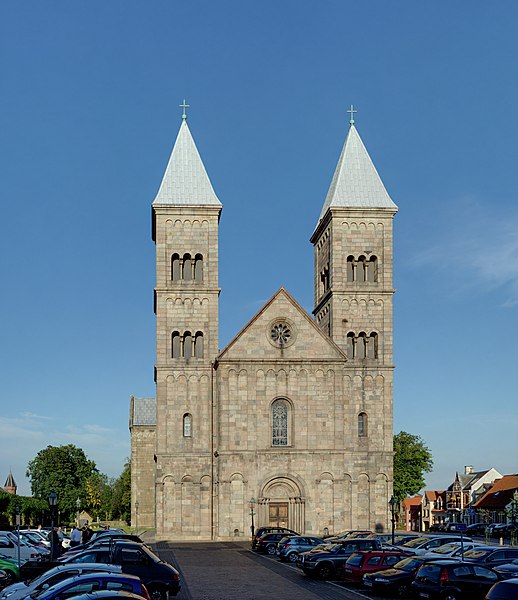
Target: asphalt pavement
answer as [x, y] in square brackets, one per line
[231, 571]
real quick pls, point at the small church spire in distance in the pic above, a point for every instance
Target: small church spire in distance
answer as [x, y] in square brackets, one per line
[351, 111]
[184, 106]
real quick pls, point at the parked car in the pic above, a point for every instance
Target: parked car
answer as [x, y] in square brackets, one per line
[476, 529]
[262, 530]
[107, 595]
[9, 547]
[491, 556]
[92, 582]
[451, 550]
[508, 570]
[360, 563]
[24, 589]
[344, 534]
[290, 547]
[38, 538]
[503, 590]
[267, 543]
[116, 531]
[422, 545]
[396, 580]
[101, 541]
[452, 580]
[10, 568]
[159, 577]
[327, 561]
[352, 535]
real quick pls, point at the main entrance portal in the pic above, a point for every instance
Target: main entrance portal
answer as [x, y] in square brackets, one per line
[278, 514]
[281, 504]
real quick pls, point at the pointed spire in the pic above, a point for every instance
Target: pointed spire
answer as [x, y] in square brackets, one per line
[356, 183]
[185, 180]
[10, 483]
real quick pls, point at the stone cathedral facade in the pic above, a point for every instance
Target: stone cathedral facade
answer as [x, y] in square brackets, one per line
[296, 411]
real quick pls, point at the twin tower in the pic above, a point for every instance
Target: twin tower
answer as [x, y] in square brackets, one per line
[293, 418]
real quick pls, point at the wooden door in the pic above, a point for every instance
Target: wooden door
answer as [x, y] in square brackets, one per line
[278, 512]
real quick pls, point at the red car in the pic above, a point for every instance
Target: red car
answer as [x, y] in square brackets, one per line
[365, 561]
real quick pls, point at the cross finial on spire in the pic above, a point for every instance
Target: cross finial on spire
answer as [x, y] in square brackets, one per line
[184, 106]
[352, 111]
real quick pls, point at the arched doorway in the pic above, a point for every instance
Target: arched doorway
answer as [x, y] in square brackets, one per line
[281, 504]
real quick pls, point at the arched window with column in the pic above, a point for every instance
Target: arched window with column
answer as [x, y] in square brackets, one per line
[350, 345]
[187, 267]
[176, 345]
[360, 269]
[372, 345]
[350, 269]
[198, 345]
[372, 270]
[187, 345]
[361, 346]
[198, 268]
[362, 424]
[175, 267]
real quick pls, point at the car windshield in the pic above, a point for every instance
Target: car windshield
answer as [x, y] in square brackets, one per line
[416, 542]
[476, 553]
[408, 564]
[446, 549]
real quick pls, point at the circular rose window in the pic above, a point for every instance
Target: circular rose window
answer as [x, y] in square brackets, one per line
[281, 333]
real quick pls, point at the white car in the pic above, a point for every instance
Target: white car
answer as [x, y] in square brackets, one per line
[9, 547]
[422, 545]
[450, 550]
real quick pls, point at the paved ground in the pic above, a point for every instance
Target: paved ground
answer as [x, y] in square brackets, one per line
[230, 571]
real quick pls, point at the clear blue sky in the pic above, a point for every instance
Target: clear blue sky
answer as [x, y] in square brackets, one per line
[89, 95]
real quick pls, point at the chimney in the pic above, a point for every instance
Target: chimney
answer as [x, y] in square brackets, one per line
[468, 469]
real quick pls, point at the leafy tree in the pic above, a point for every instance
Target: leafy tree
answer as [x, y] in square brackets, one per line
[63, 469]
[98, 495]
[121, 499]
[412, 459]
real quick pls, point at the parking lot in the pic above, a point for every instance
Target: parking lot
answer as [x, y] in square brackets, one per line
[231, 571]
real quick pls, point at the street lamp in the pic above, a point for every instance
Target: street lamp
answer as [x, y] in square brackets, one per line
[251, 505]
[53, 502]
[78, 507]
[392, 503]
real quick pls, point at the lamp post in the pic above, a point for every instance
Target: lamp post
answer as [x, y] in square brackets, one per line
[78, 507]
[136, 517]
[392, 503]
[53, 501]
[17, 512]
[251, 505]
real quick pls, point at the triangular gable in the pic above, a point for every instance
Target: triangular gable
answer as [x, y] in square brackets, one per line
[306, 341]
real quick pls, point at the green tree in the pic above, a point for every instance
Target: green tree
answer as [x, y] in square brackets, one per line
[63, 469]
[412, 459]
[121, 498]
[98, 495]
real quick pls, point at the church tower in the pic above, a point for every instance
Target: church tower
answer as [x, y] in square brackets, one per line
[186, 215]
[353, 304]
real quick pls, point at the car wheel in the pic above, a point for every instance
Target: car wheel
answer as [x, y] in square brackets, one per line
[292, 557]
[270, 549]
[325, 571]
[157, 592]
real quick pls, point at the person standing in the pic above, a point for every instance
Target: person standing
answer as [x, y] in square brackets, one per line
[75, 537]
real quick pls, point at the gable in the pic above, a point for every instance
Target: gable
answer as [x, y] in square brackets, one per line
[282, 330]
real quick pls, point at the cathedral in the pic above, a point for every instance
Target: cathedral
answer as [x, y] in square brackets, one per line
[291, 423]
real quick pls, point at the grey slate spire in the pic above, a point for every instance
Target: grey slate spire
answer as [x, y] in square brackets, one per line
[185, 180]
[356, 183]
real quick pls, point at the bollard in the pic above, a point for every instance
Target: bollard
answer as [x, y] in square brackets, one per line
[501, 541]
